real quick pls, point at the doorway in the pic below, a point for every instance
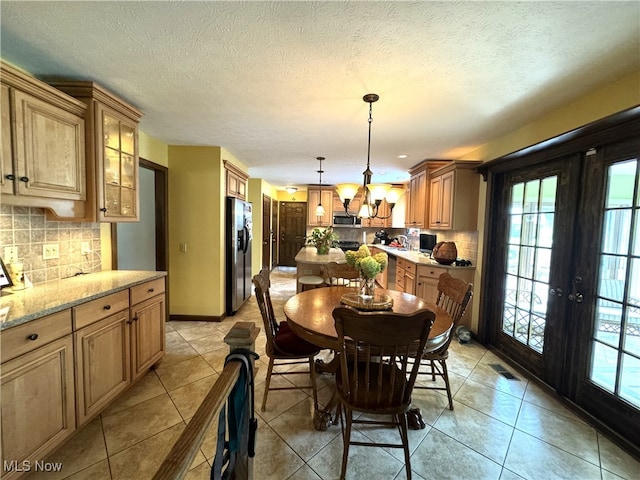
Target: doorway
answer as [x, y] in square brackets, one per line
[292, 231]
[267, 232]
[561, 285]
[143, 245]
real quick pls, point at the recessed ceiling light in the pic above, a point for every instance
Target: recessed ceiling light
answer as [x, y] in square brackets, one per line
[402, 156]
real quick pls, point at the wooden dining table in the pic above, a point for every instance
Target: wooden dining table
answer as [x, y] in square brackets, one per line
[310, 316]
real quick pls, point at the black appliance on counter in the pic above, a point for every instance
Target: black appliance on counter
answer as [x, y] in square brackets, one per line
[382, 238]
[427, 242]
[238, 238]
[346, 245]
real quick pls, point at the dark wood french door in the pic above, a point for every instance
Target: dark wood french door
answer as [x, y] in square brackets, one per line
[561, 280]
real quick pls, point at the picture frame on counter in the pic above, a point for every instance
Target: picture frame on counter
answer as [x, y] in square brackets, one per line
[5, 279]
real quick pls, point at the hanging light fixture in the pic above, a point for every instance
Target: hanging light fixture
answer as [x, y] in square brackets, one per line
[319, 212]
[373, 193]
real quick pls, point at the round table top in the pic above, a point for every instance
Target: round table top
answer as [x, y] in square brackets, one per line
[310, 313]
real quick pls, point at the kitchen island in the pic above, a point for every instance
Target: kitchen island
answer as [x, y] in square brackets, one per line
[309, 262]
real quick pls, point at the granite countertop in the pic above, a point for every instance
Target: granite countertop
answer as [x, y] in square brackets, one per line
[310, 255]
[43, 299]
[416, 257]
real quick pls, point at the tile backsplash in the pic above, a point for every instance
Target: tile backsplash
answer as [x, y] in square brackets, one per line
[28, 229]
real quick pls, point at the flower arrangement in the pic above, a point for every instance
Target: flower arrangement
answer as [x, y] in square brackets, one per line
[323, 240]
[368, 266]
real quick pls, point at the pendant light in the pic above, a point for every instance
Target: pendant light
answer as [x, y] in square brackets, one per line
[319, 212]
[373, 193]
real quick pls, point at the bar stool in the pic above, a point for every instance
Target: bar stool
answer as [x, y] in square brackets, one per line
[310, 281]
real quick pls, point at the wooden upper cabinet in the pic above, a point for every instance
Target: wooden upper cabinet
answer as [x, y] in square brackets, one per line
[43, 146]
[314, 197]
[453, 198]
[112, 153]
[236, 181]
[415, 213]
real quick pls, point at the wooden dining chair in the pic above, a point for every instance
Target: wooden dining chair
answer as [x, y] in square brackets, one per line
[454, 295]
[375, 375]
[341, 274]
[283, 345]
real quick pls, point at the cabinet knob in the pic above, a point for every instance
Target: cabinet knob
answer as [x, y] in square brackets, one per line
[33, 336]
[24, 179]
[10, 176]
[135, 319]
[107, 307]
[151, 290]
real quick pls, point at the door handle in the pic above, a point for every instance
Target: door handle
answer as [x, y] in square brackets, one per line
[577, 297]
[557, 291]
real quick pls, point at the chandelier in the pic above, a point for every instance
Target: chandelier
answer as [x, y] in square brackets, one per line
[373, 193]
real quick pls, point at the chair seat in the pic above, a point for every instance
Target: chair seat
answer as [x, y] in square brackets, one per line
[288, 343]
[311, 280]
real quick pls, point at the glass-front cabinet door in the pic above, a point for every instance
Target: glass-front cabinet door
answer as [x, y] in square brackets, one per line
[118, 176]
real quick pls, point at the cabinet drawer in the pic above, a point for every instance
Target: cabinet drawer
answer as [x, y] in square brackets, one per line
[100, 308]
[431, 272]
[26, 337]
[140, 293]
[401, 262]
[410, 267]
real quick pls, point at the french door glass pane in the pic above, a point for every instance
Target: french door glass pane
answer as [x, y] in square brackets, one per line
[615, 353]
[531, 222]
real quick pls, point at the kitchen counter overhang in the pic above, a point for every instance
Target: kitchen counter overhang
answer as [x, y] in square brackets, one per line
[29, 304]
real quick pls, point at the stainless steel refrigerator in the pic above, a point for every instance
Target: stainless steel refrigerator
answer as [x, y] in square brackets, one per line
[238, 253]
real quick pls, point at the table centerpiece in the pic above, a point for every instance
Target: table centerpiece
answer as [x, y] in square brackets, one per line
[368, 266]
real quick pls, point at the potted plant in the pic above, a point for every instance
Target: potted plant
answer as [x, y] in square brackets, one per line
[323, 240]
[368, 266]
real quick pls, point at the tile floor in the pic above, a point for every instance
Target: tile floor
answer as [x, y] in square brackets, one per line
[500, 429]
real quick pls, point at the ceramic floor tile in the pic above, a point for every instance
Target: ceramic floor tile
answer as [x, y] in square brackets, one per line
[430, 403]
[99, 471]
[183, 325]
[201, 472]
[483, 373]
[278, 401]
[84, 449]
[209, 344]
[460, 364]
[547, 399]
[175, 375]
[575, 437]
[455, 382]
[363, 463]
[204, 329]
[215, 358]
[130, 426]
[478, 431]
[141, 461]
[440, 456]
[295, 426]
[509, 475]
[533, 458]
[499, 405]
[146, 388]
[178, 351]
[614, 459]
[274, 459]
[189, 397]
[305, 473]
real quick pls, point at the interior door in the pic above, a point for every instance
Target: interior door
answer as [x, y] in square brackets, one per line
[274, 237]
[293, 223]
[266, 231]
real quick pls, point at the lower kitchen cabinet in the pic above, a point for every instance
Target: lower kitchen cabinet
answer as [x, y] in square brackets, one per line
[405, 276]
[38, 404]
[103, 365]
[427, 283]
[147, 334]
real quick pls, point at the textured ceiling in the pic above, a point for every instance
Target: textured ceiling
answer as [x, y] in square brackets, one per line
[280, 83]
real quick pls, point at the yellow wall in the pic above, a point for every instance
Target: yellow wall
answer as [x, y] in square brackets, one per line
[613, 98]
[196, 219]
[154, 150]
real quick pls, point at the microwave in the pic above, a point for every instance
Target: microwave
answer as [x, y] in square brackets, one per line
[346, 221]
